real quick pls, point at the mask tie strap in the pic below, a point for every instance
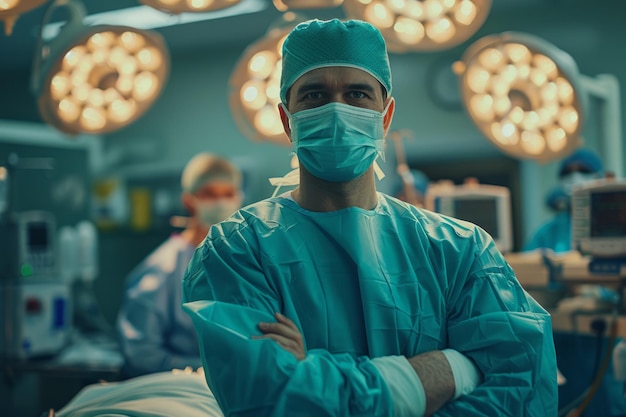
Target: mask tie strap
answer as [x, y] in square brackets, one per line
[291, 178]
[378, 171]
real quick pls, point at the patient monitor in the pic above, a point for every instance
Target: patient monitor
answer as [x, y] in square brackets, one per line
[599, 218]
[488, 206]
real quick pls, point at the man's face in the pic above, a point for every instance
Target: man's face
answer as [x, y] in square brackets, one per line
[346, 85]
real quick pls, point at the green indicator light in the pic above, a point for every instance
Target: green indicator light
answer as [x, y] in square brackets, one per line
[27, 270]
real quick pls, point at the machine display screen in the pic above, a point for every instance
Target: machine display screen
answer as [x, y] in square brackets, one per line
[481, 211]
[38, 236]
[608, 214]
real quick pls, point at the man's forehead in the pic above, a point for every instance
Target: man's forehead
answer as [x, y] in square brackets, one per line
[335, 75]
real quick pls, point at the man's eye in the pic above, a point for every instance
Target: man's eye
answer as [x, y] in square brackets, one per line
[357, 94]
[316, 95]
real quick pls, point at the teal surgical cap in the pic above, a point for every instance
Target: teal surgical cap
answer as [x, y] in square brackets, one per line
[318, 44]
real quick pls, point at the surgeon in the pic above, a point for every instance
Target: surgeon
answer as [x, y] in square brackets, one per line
[581, 166]
[154, 333]
[336, 300]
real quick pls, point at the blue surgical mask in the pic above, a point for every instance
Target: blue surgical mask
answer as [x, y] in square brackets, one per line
[337, 142]
[568, 182]
[214, 211]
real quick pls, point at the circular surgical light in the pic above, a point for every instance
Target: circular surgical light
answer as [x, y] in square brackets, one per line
[255, 84]
[10, 10]
[189, 6]
[523, 94]
[421, 25]
[98, 79]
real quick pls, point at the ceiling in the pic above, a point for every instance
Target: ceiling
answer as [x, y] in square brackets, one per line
[17, 50]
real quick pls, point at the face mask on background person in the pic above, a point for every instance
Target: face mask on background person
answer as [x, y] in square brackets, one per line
[337, 142]
[569, 181]
[210, 212]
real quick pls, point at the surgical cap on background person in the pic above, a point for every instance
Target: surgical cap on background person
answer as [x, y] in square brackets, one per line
[206, 167]
[318, 44]
[581, 159]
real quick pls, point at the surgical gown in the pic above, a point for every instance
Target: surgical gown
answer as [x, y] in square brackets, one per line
[154, 332]
[361, 284]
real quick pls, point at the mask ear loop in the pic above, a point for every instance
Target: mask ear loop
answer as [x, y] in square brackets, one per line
[380, 174]
[378, 171]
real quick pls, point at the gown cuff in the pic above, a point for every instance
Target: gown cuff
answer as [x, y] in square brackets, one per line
[466, 374]
[407, 391]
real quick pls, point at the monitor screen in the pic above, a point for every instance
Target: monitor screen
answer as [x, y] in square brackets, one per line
[38, 235]
[480, 211]
[608, 214]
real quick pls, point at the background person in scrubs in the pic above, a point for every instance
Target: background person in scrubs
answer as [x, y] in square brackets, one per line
[334, 299]
[581, 166]
[411, 189]
[154, 332]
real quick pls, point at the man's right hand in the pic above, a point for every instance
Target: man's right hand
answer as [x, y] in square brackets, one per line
[285, 333]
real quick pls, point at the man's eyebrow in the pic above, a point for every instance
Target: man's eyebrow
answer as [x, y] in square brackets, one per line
[361, 86]
[306, 88]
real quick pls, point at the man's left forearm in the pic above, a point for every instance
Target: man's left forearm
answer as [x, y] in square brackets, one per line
[436, 376]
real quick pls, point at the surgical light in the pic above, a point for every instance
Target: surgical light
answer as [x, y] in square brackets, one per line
[523, 94]
[284, 5]
[255, 84]
[193, 6]
[97, 79]
[421, 25]
[10, 10]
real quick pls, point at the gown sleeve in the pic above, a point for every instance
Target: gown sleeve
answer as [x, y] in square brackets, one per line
[227, 294]
[142, 325]
[494, 322]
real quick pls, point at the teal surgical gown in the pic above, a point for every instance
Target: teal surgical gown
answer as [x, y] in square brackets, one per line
[154, 332]
[361, 284]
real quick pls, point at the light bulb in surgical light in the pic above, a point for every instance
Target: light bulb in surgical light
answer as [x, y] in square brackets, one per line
[409, 31]
[284, 5]
[379, 14]
[441, 30]
[198, 4]
[262, 64]
[556, 138]
[396, 5]
[465, 12]
[268, 121]
[533, 142]
[191, 6]
[7, 4]
[565, 91]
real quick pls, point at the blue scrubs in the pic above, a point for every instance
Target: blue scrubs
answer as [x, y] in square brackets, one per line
[556, 234]
[154, 332]
[362, 284]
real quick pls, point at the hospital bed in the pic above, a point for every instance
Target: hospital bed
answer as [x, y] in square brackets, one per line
[164, 394]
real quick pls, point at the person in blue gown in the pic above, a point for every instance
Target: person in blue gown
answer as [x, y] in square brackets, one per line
[154, 332]
[556, 234]
[337, 300]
